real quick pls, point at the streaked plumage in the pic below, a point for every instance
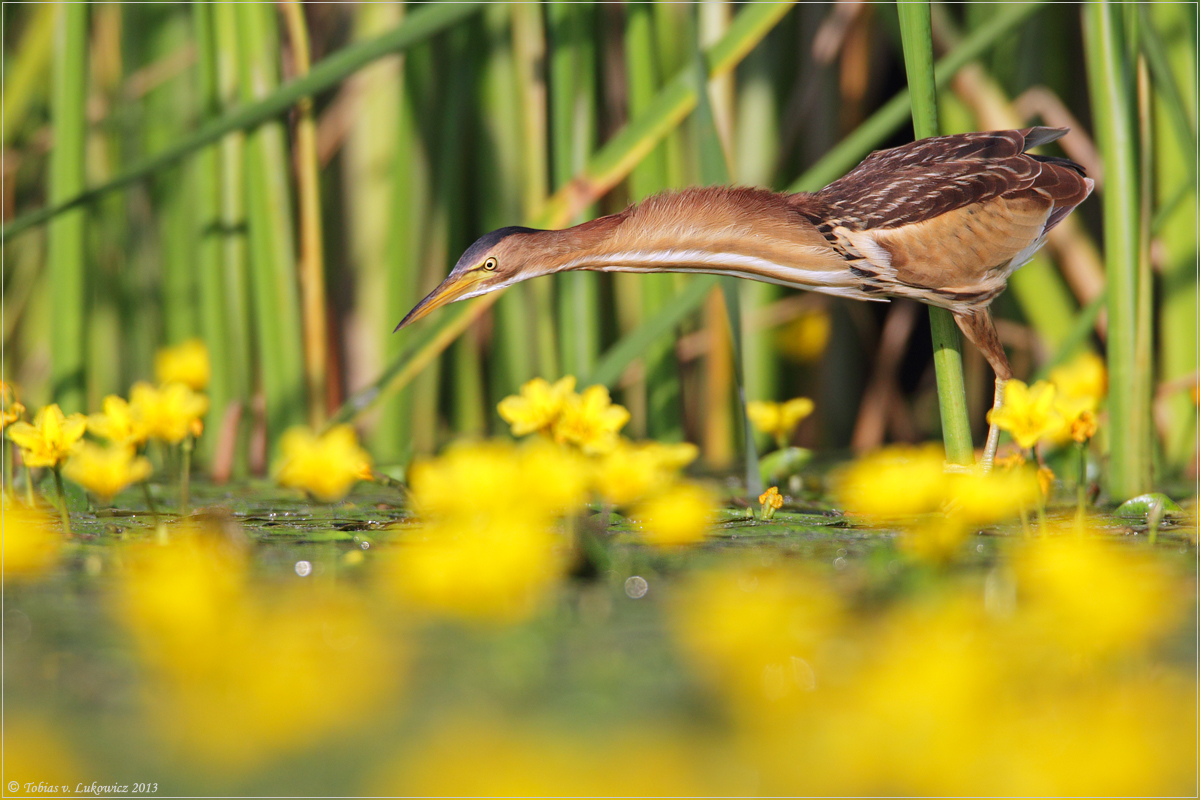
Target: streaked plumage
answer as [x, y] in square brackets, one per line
[943, 220]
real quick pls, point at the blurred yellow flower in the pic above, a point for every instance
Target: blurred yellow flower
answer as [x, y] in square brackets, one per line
[1028, 412]
[104, 471]
[894, 482]
[500, 570]
[36, 754]
[185, 363]
[536, 480]
[681, 514]
[756, 634]
[10, 409]
[1082, 380]
[325, 465]
[473, 757]
[119, 424]
[590, 421]
[538, 406]
[1095, 597]
[31, 541]
[238, 675]
[982, 498]
[1084, 426]
[779, 419]
[631, 471]
[804, 339]
[169, 412]
[50, 438]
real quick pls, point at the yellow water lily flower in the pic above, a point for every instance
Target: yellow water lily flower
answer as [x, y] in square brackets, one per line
[169, 412]
[185, 363]
[30, 542]
[805, 338]
[1084, 378]
[119, 424]
[326, 465]
[1028, 412]
[538, 406]
[779, 419]
[590, 421]
[10, 409]
[50, 438]
[682, 514]
[104, 471]
[770, 501]
[631, 471]
[1084, 427]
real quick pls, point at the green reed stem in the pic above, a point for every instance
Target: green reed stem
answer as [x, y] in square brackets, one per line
[917, 34]
[63, 514]
[1111, 81]
[269, 216]
[185, 475]
[66, 244]
[25, 74]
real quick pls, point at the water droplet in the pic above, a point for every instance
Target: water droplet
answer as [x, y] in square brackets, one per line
[841, 551]
[979, 547]
[636, 587]
[365, 545]
[839, 563]
[303, 569]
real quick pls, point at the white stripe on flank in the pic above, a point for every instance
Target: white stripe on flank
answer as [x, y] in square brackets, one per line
[752, 268]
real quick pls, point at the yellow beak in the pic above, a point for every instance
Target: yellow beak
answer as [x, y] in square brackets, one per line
[451, 289]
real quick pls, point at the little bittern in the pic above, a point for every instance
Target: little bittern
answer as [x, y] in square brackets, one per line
[944, 220]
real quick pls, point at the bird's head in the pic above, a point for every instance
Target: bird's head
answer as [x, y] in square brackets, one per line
[496, 260]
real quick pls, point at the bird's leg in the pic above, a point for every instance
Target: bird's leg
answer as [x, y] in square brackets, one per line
[977, 326]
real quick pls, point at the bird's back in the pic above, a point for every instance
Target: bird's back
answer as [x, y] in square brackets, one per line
[946, 220]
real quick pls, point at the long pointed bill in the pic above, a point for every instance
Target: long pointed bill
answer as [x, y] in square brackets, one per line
[451, 289]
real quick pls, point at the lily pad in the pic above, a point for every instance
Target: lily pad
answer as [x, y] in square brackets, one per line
[1140, 508]
[783, 464]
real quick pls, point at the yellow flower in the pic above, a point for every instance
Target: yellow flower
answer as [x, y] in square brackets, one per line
[779, 419]
[590, 421]
[50, 438]
[1083, 427]
[326, 465]
[1045, 479]
[169, 412]
[31, 541]
[487, 480]
[217, 652]
[104, 471]
[185, 363]
[119, 424]
[499, 571]
[805, 338]
[631, 471]
[1083, 379]
[537, 407]
[895, 482]
[680, 515]
[1028, 412]
[771, 501]
[10, 409]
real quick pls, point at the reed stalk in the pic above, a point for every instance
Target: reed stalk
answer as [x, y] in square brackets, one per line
[308, 192]
[1111, 77]
[206, 178]
[66, 248]
[917, 35]
[25, 74]
[269, 217]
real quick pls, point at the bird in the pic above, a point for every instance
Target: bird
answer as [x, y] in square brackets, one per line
[944, 220]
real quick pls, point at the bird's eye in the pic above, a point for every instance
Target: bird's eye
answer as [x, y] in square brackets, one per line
[490, 264]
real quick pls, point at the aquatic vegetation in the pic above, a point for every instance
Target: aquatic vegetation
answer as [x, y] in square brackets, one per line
[779, 420]
[11, 409]
[105, 471]
[590, 421]
[1029, 413]
[31, 541]
[632, 471]
[120, 422]
[51, 437]
[186, 363]
[681, 514]
[770, 501]
[325, 465]
[538, 407]
[170, 412]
